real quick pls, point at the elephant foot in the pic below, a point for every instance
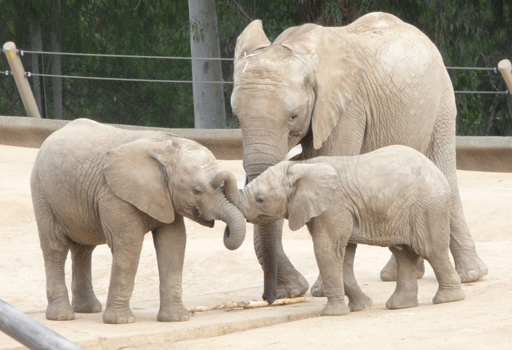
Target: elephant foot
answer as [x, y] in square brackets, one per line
[388, 272]
[89, 304]
[470, 270]
[335, 307]
[59, 311]
[359, 303]
[445, 295]
[118, 316]
[318, 288]
[177, 313]
[401, 301]
[292, 285]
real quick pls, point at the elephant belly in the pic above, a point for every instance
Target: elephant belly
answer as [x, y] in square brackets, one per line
[85, 233]
[80, 229]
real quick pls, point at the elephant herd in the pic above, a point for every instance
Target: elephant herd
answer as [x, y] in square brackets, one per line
[373, 108]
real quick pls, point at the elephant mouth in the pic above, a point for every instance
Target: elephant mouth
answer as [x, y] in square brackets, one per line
[199, 219]
[261, 220]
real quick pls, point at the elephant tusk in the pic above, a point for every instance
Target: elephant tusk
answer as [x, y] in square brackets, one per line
[247, 304]
[243, 183]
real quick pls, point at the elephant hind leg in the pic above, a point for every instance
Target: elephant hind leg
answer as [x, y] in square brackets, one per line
[468, 264]
[449, 281]
[84, 300]
[406, 292]
[388, 272]
[55, 247]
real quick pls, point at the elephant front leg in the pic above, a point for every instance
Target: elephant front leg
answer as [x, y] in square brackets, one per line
[126, 254]
[170, 242]
[357, 299]
[329, 255]
[290, 282]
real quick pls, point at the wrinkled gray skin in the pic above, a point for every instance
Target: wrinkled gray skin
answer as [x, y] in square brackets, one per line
[344, 91]
[392, 197]
[95, 184]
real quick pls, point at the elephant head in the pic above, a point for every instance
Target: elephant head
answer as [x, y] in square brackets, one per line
[300, 84]
[173, 175]
[289, 190]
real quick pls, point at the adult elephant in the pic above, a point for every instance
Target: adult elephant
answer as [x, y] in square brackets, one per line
[344, 91]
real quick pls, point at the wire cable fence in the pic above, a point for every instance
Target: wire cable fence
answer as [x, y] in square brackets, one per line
[151, 90]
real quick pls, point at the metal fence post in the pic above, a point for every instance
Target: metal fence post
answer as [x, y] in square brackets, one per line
[505, 68]
[29, 332]
[18, 72]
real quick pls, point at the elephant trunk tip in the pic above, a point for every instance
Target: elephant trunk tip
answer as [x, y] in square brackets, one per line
[232, 243]
[270, 297]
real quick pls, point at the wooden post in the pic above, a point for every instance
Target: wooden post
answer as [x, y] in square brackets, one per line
[18, 72]
[505, 68]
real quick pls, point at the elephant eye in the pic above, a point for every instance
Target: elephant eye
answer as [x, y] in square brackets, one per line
[294, 117]
[198, 191]
[260, 199]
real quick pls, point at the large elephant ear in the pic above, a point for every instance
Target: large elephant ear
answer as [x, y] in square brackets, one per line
[337, 75]
[314, 188]
[135, 175]
[251, 39]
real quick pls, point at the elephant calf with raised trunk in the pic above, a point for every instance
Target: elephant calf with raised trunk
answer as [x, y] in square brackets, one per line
[394, 197]
[94, 184]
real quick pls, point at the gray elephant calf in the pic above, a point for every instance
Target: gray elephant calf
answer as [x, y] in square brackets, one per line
[394, 197]
[94, 184]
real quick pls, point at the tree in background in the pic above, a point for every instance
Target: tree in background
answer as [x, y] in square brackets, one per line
[209, 109]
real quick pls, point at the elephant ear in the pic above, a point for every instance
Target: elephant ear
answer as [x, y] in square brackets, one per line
[337, 75]
[251, 39]
[314, 187]
[135, 174]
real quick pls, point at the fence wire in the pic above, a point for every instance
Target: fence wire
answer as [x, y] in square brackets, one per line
[121, 88]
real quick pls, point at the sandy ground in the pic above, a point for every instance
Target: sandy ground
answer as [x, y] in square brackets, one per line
[214, 275]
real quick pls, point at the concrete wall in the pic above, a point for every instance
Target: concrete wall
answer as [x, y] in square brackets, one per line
[473, 153]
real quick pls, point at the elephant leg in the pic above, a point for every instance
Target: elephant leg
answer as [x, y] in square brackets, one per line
[84, 300]
[125, 241]
[449, 281]
[170, 241]
[442, 152]
[468, 264]
[388, 272]
[329, 256]
[55, 247]
[357, 299]
[406, 292]
[290, 283]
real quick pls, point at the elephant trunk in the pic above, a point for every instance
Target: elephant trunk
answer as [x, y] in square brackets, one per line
[260, 153]
[265, 243]
[234, 234]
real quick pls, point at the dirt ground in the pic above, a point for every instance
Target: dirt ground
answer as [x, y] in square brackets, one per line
[214, 275]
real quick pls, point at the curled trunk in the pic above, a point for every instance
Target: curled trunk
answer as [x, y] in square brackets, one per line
[234, 234]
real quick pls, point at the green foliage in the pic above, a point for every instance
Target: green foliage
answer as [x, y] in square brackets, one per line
[469, 33]
[149, 28]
